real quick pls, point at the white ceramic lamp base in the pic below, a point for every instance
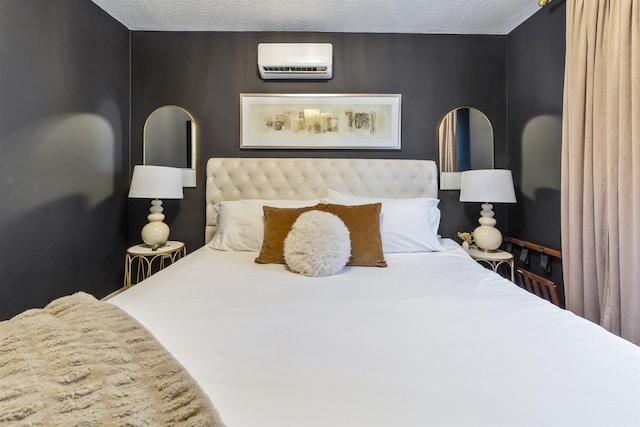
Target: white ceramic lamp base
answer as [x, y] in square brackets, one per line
[156, 232]
[486, 236]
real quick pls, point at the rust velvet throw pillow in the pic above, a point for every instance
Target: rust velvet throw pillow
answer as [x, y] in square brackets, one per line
[277, 224]
[363, 222]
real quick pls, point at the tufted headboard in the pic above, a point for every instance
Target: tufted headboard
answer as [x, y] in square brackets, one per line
[300, 179]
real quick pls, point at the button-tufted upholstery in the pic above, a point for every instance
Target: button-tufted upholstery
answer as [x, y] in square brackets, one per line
[304, 178]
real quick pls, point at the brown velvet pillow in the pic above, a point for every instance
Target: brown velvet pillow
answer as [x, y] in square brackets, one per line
[363, 222]
[277, 224]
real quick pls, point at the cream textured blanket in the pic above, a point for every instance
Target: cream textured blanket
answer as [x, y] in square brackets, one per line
[82, 362]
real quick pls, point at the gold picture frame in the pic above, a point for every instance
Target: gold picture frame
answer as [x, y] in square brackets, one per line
[320, 121]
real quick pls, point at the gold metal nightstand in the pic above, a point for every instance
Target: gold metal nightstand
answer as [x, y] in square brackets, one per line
[147, 261]
[494, 259]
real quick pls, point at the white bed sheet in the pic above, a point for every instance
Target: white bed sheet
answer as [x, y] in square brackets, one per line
[434, 339]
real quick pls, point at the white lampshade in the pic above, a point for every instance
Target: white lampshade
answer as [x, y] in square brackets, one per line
[156, 182]
[487, 186]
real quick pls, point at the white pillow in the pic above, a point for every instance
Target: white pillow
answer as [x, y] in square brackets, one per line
[317, 245]
[406, 225]
[240, 223]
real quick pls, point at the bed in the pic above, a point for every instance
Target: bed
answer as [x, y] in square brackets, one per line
[430, 339]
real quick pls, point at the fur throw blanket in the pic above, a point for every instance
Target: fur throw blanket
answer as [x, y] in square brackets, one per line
[82, 362]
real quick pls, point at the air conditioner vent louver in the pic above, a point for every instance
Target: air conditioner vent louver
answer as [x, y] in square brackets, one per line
[295, 60]
[296, 69]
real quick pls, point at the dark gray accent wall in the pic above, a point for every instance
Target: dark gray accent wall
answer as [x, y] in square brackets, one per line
[205, 73]
[536, 52]
[64, 144]
[65, 92]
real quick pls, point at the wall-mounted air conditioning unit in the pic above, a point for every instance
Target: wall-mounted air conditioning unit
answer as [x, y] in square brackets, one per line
[295, 60]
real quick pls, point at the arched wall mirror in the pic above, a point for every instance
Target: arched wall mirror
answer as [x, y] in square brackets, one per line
[465, 141]
[170, 140]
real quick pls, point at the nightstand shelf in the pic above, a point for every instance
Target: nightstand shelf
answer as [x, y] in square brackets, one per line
[146, 261]
[494, 259]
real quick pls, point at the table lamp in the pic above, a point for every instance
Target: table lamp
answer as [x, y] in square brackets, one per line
[487, 186]
[155, 182]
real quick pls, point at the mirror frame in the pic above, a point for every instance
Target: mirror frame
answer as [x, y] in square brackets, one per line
[452, 180]
[188, 174]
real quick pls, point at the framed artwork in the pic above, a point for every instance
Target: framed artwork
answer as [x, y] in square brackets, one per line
[320, 121]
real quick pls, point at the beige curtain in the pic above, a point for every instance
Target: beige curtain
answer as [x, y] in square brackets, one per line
[601, 164]
[447, 142]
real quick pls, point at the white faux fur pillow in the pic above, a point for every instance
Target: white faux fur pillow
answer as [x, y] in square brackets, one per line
[317, 245]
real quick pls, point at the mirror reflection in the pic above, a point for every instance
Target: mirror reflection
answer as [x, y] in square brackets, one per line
[170, 140]
[465, 141]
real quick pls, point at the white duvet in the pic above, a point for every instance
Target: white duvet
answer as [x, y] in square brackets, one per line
[434, 339]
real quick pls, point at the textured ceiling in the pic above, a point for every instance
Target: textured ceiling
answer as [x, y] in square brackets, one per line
[352, 16]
